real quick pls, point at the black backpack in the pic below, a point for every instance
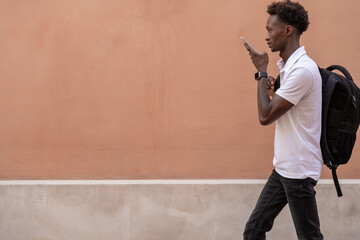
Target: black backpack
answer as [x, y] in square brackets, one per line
[340, 117]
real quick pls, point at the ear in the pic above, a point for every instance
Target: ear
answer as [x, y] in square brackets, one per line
[289, 30]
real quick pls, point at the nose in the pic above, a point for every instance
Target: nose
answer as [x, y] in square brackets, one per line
[267, 38]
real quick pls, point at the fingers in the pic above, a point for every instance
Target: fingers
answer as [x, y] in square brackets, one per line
[270, 83]
[250, 49]
[271, 78]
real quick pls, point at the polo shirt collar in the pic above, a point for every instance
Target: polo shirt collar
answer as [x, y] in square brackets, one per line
[284, 67]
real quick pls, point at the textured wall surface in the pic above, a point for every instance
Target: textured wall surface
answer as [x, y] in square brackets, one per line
[158, 212]
[114, 89]
[149, 89]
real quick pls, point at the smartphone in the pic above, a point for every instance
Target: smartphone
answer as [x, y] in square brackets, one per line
[248, 44]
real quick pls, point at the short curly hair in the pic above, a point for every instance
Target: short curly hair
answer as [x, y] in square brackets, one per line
[291, 13]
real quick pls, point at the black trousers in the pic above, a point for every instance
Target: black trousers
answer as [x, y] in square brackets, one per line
[277, 192]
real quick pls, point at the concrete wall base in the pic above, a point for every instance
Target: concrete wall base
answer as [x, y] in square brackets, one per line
[174, 211]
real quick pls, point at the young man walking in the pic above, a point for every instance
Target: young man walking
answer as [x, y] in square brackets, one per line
[296, 108]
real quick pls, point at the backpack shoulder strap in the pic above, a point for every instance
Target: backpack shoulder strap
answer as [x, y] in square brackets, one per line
[277, 83]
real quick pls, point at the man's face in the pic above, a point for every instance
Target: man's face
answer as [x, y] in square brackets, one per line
[276, 33]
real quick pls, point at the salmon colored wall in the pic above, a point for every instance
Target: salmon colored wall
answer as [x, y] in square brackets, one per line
[115, 89]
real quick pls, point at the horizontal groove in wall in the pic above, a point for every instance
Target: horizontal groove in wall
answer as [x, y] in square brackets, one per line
[155, 182]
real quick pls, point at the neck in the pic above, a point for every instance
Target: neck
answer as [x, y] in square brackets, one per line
[290, 48]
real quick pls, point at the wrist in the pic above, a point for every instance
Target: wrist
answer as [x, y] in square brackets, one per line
[262, 69]
[260, 74]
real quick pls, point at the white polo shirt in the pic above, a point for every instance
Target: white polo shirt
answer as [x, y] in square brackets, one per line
[297, 152]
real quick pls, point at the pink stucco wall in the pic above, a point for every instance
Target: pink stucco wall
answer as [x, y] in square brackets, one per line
[103, 89]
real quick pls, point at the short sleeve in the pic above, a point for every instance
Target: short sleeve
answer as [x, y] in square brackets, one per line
[297, 85]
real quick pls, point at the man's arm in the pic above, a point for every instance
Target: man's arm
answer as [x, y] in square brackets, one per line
[270, 110]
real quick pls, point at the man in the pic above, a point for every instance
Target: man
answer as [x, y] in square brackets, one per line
[296, 108]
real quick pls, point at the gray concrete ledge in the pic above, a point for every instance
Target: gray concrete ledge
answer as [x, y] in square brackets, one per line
[158, 210]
